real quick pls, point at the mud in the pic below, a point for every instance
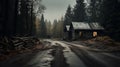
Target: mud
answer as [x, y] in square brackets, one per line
[59, 59]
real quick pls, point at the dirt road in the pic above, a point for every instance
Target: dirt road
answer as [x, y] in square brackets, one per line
[63, 54]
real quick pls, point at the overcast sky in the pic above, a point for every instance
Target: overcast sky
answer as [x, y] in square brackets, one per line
[56, 8]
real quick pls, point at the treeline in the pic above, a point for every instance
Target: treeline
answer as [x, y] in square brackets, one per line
[105, 12]
[25, 18]
[17, 17]
[84, 11]
[110, 18]
[57, 29]
[48, 29]
[17, 26]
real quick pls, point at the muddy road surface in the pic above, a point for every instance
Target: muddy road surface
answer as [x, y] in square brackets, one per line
[63, 54]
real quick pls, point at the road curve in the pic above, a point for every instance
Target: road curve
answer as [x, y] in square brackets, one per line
[75, 55]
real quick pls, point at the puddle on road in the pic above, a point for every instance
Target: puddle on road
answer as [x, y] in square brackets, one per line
[42, 59]
[59, 59]
[71, 58]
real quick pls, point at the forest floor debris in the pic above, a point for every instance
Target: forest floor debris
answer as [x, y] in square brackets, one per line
[19, 45]
[102, 43]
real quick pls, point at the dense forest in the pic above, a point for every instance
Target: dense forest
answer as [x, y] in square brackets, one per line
[105, 12]
[17, 17]
[26, 18]
[23, 26]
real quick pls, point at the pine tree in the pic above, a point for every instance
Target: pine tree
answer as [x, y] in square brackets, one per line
[48, 26]
[79, 11]
[110, 16]
[23, 18]
[68, 16]
[95, 10]
[42, 27]
[54, 29]
[7, 17]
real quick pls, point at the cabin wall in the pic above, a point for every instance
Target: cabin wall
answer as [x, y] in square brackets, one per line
[73, 35]
[85, 34]
[66, 35]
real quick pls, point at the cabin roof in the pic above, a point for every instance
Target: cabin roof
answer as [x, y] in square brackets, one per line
[96, 26]
[87, 26]
[80, 25]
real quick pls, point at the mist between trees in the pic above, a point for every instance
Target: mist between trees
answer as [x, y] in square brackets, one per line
[45, 29]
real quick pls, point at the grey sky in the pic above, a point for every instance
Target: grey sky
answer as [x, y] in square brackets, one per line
[56, 8]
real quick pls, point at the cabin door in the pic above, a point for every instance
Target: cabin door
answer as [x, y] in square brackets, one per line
[70, 36]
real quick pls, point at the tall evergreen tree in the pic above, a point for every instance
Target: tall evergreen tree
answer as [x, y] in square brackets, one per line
[42, 27]
[26, 16]
[23, 16]
[79, 11]
[61, 27]
[48, 26]
[7, 17]
[110, 17]
[54, 29]
[68, 16]
[95, 10]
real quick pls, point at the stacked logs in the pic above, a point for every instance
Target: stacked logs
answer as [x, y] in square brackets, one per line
[17, 44]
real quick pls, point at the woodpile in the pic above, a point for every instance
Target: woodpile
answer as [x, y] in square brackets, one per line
[17, 45]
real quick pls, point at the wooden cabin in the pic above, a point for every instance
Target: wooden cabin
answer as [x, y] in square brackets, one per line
[77, 30]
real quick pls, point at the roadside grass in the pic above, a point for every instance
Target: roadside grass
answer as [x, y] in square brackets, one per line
[106, 40]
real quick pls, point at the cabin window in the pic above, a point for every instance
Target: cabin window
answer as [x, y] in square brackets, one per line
[80, 33]
[95, 34]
